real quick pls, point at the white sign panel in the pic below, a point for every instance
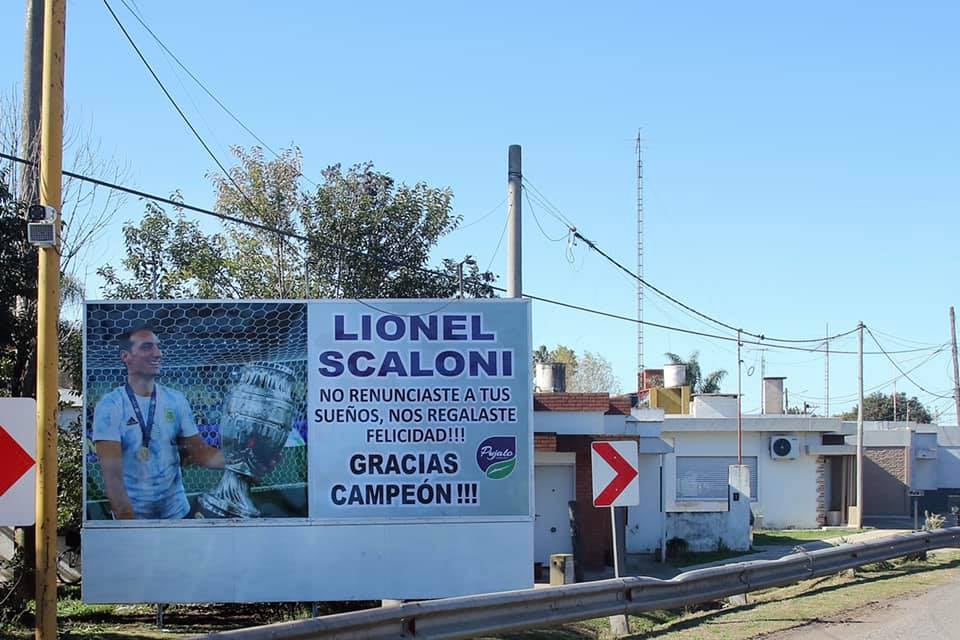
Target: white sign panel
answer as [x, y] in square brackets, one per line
[385, 445]
[615, 476]
[18, 469]
[418, 414]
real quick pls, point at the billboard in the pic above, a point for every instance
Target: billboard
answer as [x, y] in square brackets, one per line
[354, 428]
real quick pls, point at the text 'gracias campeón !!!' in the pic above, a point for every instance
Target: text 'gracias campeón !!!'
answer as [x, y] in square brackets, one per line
[472, 362]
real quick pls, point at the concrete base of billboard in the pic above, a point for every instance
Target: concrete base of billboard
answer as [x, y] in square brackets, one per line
[276, 561]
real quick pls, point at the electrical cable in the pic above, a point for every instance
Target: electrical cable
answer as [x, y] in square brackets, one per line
[850, 397]
[537, 220]
[481, 218]
[613, 261]
[506, 223]
[895, 364]
[390, 262]
[176, 106]
[905, 341]
[199, 83]
[241, 192]
[551, 208]
[760, 336]
[224, 107]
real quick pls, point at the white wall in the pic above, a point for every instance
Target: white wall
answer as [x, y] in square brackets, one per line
[645, 522]
[923, 469]
[572, 422]
[786, 489]
[948, 467]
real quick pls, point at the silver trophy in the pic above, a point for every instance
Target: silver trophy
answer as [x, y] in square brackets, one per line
[257, 418]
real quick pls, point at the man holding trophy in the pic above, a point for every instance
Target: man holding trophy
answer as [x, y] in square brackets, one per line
[140, 431]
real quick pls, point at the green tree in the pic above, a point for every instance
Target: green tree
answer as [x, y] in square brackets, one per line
[696, 380]
[370, 213]
[263, 264]
[385, 233]
[879, 406]
[168, 257]
[18, 292]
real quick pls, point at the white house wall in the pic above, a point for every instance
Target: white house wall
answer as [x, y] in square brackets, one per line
[948, 467]
[924, 468]
[645, 522]
[786, 489]
[572, 423]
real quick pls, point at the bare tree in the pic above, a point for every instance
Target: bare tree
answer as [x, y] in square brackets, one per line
[594, 374]
[86, 210]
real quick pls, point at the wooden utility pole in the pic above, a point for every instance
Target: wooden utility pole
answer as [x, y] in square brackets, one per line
[956, 369]
[48, 313]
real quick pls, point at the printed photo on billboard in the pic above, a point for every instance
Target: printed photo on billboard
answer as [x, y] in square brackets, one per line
[195, 410]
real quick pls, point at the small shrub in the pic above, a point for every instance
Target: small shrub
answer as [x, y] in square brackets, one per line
[933, 521]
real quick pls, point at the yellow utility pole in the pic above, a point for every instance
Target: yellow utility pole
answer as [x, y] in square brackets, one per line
[48, 306]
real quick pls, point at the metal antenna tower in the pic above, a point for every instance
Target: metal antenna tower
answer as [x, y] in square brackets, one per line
[639, 257]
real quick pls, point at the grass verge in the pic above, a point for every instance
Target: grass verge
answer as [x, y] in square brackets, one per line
[774, 609]
[767, 611]
[690, 559]
[795, 537]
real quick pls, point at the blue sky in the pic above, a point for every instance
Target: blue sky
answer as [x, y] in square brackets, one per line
[801, 161]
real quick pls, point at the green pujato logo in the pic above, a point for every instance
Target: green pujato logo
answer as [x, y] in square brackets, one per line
[497, 456]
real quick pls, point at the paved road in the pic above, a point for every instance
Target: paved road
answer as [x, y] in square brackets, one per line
[933, 615]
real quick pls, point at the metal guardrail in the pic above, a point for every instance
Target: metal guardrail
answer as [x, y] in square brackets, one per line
[471, 616]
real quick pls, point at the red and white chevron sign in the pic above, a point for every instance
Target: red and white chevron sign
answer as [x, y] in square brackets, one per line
[615, 481]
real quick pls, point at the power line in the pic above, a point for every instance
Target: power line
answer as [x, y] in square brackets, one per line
[506, 223]
[176, 106]
[481, 218]
[233, 116]
[850, 397]
[904, 341]
[761, 336]
[573, 230]
[551, 208]
[240, 191]
[394, 263]
[537, 220]
[200, 83]
[895, 364]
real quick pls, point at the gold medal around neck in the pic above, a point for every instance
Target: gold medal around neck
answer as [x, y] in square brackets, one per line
[143, 454]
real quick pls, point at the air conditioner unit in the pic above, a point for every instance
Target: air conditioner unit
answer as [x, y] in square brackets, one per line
[784, 447]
